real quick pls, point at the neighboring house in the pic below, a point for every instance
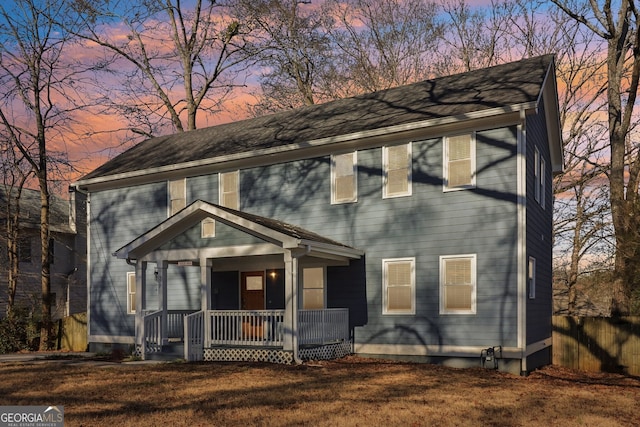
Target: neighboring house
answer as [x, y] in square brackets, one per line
[67, 249]
[414, 223]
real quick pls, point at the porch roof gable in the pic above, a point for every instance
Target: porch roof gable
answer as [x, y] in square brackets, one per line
[281, 234]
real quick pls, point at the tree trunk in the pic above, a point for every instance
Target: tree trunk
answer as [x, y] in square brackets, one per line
[46, 336]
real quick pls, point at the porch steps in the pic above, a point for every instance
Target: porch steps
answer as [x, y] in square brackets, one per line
[171, 351]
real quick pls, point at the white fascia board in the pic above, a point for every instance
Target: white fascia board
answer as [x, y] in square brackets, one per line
[140, 176]
[190, 216]
[333, 250]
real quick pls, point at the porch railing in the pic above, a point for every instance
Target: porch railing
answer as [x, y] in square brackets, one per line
[260, 328]
[245, 327]
[323, 326]
[194, 336]
[175, 323]
[153, 332]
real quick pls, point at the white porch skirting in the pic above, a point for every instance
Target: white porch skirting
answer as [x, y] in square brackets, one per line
[274, 355]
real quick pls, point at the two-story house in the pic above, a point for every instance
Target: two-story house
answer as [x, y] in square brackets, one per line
[414, 222]
[67, 252]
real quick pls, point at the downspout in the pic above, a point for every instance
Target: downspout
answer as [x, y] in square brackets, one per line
[522, 240]
[294, 321]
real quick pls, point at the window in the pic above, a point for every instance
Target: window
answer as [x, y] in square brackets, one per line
[177, 195]
[532, 278]
[458, 284]
[24, 249]
[207, 228]
[230, 190]
[131, 293]
[313, 288]
[536, 174]
[459, 162]
[542, 181]
[344, 184]
[398, 282]
[397, 171]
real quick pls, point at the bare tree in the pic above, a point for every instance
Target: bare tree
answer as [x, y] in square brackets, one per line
[14, 172]
[37, 84]
[384, 43]
[162, 61]
[293, 50]
[617, 25]
[475, 37]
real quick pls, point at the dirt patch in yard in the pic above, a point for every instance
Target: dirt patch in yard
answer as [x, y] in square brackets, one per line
[349, 392]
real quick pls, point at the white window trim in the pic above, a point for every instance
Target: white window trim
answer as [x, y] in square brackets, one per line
[169, 199]
[536, 174]
[531, 277]
[204, 235]
[542, 181]
[474, 279]
[385, 263]
[130, 274]
[324, 288]
[221, 188]
[445, 163]
[354, 160]
[385, 167]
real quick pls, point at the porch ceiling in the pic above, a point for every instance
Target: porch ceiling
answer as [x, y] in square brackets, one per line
[286, 236]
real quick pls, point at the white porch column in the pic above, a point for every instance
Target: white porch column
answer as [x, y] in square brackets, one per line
[290, 339]
[205, 283]
[141, 303]
[162, 297]
[205, 298]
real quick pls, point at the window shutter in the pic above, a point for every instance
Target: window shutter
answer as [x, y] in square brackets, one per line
[459, 167]
[397, 170]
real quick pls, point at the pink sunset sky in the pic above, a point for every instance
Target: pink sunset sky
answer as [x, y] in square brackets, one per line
[96, 137]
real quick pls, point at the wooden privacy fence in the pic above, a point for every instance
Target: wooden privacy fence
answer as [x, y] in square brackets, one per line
[597, 343]
[72, 332]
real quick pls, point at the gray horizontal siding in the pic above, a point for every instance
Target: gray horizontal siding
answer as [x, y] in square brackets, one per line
[426, 225]
[539, 232]
[118, 217]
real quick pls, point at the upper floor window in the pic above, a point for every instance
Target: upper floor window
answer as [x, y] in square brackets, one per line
[229, 190]
[539, 171]
[459, 162]
[344, 184]
[458, 284]
[398, 286]
[177, 195]
[397, 170]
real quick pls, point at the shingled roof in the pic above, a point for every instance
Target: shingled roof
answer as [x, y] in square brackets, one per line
[509, 85]
[30, 210]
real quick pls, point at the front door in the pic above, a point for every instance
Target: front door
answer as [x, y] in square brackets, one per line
[252, 298]
[252, 294]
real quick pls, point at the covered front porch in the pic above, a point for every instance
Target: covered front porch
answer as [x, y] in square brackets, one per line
[247, 335]
[262, 298]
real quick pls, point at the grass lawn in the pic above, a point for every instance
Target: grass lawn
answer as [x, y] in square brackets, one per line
[349, 392]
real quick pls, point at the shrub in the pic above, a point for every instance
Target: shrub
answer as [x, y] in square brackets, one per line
[18, 331]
